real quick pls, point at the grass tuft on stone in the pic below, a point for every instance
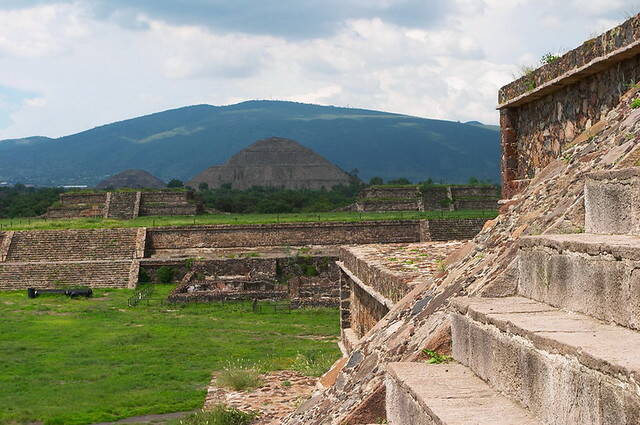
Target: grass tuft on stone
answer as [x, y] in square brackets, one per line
[219, 415]
[239, 377]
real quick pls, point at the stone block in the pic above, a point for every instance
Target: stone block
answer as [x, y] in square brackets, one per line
[446, 394]
[591, 274]
[563, 367]
[612, 202]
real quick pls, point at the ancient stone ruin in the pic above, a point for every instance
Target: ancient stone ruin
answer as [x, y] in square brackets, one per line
[125, 205]
[535, 321]
[274, 162]
[428, 198]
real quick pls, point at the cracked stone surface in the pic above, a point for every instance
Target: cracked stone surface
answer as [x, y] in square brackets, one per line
[274, 399]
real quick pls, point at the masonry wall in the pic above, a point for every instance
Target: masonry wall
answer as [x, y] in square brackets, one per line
[434, 198]
[82, 198]
[459, 229]
[226, 236]
[543, 112]
[365, 310]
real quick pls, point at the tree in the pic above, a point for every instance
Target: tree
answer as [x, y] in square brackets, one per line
[401, 180]
[175, 183]
[203, 186]
[376, 181]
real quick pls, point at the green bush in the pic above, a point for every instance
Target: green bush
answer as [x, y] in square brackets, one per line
[635, 104]
[220, 415]
[165, 274]
[143, 276]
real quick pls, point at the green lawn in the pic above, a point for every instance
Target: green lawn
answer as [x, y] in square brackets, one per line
[91, 223]
[82, 361]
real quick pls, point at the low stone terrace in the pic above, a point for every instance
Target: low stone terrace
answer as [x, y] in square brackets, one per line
[394, 269]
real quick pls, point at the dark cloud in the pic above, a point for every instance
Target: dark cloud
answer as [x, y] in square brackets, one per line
[285, 18]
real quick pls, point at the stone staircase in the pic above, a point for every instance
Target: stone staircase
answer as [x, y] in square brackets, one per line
[564, 351]
[122, 205]
[89, 257]
[70, 245]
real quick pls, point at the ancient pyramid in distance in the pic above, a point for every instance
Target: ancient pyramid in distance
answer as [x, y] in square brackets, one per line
[133, 179]
[274, 162]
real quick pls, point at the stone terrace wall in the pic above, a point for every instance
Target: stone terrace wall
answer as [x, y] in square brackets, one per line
[227, 236]
[83, 198]
[177, 197]
[458, 229]
[390, 192]
[72, 245]
[541, 113]
[96, 274]
[458, 197]
[125, 205]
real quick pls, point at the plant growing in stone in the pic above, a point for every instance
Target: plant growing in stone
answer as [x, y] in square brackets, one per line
[239, 376]
[549, 58]
[635, 104]
[220, 415]
[435, 358]
[312, 363]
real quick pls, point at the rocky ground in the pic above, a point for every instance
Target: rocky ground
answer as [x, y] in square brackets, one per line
[281, 393]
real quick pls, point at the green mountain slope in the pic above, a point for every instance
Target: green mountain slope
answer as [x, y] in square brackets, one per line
[182, 142]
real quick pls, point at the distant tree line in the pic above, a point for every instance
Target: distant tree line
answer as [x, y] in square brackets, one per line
[402, 181]
[267, 200]
[22, 201]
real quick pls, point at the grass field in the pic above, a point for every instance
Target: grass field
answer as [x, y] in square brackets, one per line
[83, 361]
[91, 223]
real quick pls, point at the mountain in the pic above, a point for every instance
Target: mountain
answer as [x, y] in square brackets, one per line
[133, 179]
[181, 143]
[274, 162]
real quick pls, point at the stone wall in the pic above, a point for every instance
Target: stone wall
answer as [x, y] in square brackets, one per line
[96, 274]
[458, 229]
[67, 199]
[308, 281]
[429, 198]
[296, 234]
[542, 113]
[366, 310]
[125, 205]
[72, 245]
[51, 258]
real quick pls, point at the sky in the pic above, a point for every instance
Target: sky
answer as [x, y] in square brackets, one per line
[71, 65]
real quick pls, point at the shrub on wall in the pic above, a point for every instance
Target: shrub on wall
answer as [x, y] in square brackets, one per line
[165, 274]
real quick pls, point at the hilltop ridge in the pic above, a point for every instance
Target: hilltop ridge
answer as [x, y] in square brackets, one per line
[180, 143]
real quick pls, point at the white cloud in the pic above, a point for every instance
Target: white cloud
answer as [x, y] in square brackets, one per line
[81, 70]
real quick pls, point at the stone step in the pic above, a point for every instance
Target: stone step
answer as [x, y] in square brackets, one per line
[447, 394]
[72, 245]
[95, 274]
[612, 202]
[566, 368]
[598, 275]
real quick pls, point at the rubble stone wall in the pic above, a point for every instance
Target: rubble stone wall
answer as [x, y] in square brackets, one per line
[544, 111]
[455, 229]
[299, 234]
[365, 310]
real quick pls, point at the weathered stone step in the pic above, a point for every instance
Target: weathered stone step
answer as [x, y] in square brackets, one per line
[72, 245]
[96, 274]
[447, 394]
[612, 202]
[566, 368]
[598, 275]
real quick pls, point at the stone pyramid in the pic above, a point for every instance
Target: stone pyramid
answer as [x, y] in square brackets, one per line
[274, 162]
